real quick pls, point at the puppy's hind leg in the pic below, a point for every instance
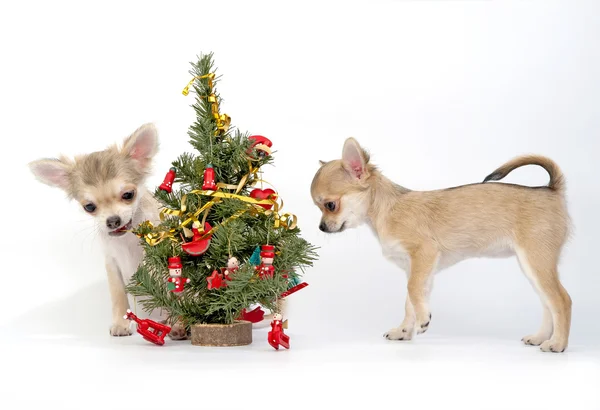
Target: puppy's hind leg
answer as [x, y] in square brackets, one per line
[540, 267]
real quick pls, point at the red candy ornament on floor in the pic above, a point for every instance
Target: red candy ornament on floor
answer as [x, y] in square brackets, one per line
[167, 184]
[198, 245]
[276, 336]
[209, 179]
[149, 329]
[176, 283]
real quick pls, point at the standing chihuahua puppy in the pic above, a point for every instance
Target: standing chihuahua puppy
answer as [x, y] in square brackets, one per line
[425, 232]
[109, 185]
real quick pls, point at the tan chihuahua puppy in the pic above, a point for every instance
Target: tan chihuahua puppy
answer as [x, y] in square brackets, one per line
[424, 232]
[109, 185]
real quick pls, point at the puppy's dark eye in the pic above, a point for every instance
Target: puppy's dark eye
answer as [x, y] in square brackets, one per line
[89, 207]
[128, 196]
[330, 206]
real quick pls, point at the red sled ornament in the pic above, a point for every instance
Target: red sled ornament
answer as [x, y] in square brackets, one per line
[167, 184]
[261, 144]
[149, 329]
[198, 245]
[209, 179]
[276, 336]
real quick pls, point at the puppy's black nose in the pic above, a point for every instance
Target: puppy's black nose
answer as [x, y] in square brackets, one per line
[113, 222]
[323, 227]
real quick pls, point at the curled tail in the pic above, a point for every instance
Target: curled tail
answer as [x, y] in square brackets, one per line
[557, 180]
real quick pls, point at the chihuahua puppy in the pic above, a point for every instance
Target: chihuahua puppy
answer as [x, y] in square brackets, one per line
[109, 185]
[424, 232]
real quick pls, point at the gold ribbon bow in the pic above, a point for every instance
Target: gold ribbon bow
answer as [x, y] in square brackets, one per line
[223, 121]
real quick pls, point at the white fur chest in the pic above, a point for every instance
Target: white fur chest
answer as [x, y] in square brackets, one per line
[125, 253]
[395, 252]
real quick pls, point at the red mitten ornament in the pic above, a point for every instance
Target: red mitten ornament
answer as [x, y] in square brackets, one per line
[254, 316]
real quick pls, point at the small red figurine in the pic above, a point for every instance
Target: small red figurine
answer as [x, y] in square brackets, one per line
[176, 283]
[261, 144]
[232, 266]
[264, 194]
[167, 184]
[276, 336]
[215, 281]
[266, 268]
[198, 245]
[209, 179]
[149, 329]
[254, 316]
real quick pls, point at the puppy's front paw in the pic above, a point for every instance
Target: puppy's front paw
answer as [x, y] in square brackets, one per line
[178, 332]
[423, 325]
[399, 333]
[121, 328]
[553, 345]
[534, 340]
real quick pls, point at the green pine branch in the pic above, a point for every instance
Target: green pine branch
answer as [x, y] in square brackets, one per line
[232, 159]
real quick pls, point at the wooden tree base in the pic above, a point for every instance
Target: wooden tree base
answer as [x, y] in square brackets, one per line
[237, 334]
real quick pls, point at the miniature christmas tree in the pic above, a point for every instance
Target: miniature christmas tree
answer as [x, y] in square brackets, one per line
[201, 262]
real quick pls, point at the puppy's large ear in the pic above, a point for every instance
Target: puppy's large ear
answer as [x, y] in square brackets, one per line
[142, 145]
[355, 159]
[53, 172]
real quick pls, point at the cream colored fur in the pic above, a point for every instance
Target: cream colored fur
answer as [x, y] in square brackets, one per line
[101, 178]
[424, 232]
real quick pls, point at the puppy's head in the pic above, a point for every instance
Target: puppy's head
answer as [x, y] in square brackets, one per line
[340, 189]
[108, 184]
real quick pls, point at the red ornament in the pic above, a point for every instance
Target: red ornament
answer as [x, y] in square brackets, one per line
[261, 144]
[215, 281]
[232, 266]
[176, 283]
[149, 329]
[276, 336]
[266, 268]
[293, 290]
[264, 194]
[198, 245]
[167, 184]
[209, 179]
[254, 316]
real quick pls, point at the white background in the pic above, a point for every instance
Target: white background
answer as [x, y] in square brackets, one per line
[440, 92]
